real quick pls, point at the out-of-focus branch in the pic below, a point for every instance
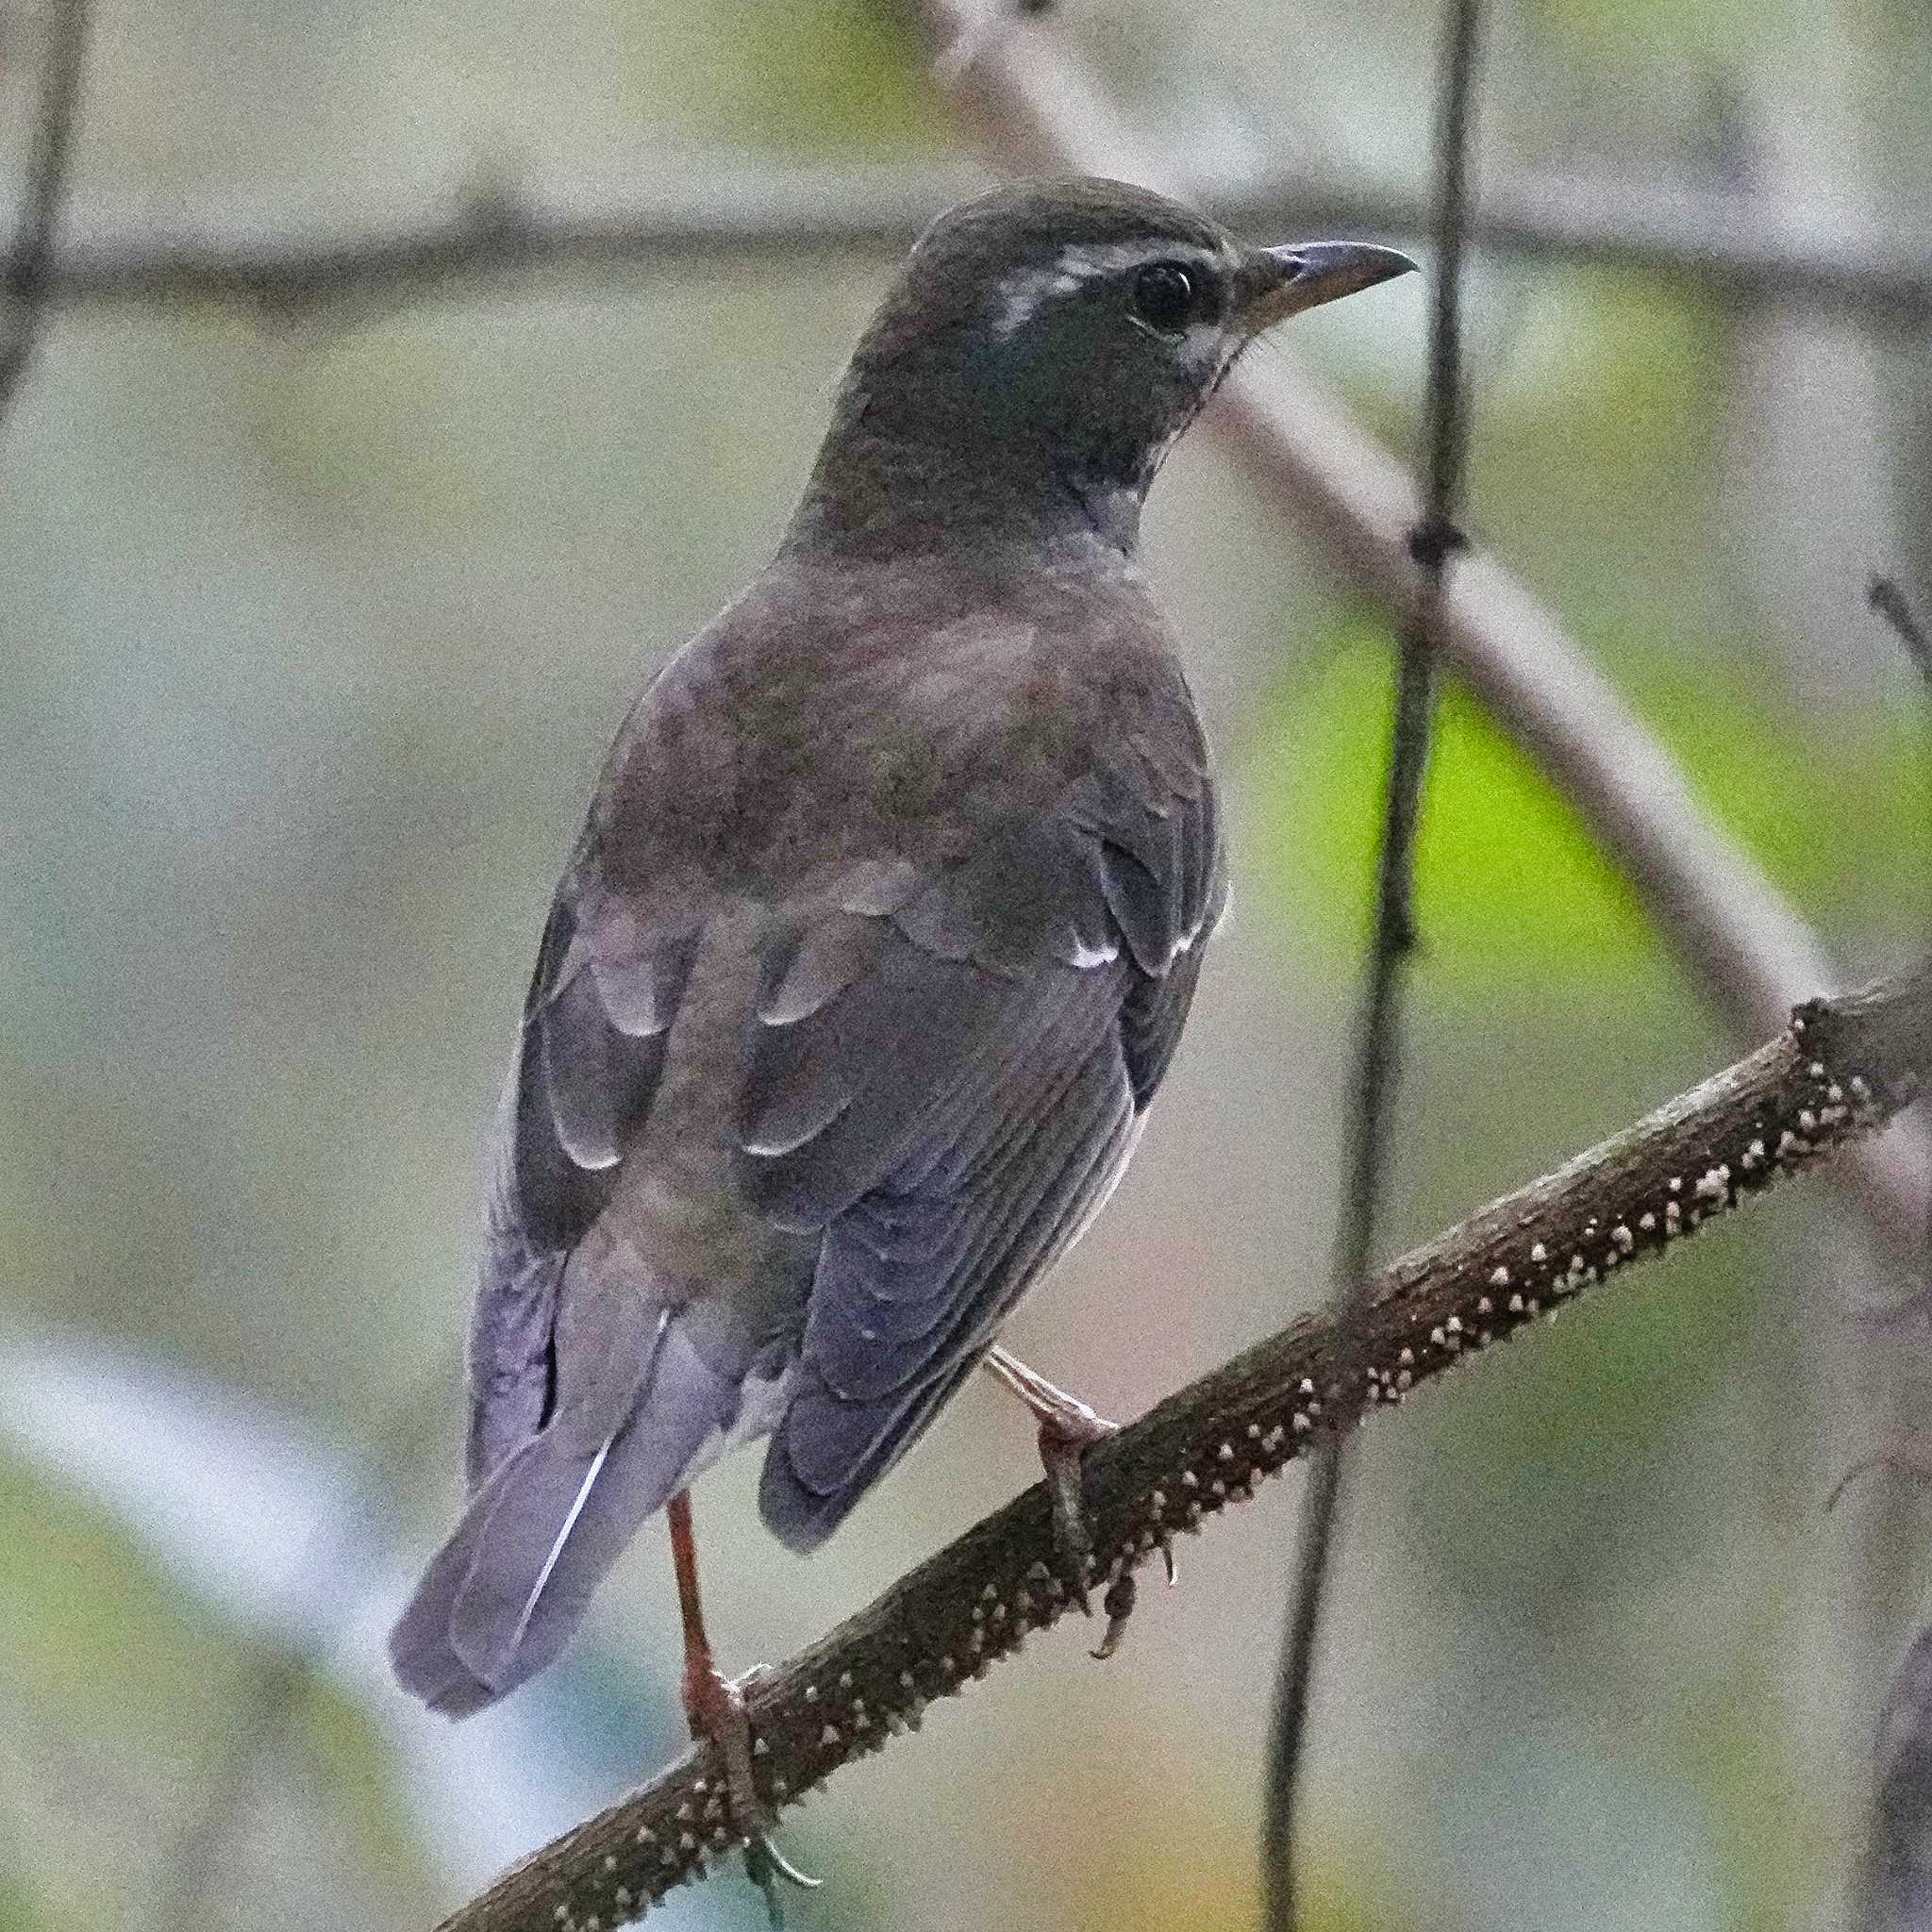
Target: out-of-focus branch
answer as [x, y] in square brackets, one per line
[1838, 1070]
[266, 1691]
[24, 286]
[1743, 247]
[1739, 939]
[1885, 597]
[1378, 1040]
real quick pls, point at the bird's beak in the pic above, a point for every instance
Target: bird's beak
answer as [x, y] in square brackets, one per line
[1283, 281]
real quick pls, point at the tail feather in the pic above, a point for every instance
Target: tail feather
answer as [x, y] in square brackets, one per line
[507, 1591]
[570, 1523]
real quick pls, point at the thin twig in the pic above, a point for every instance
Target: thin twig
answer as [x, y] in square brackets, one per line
[1890, 602]
[1895, 1890]
[1894, 1884]
[24, 288]
[1838, 1070]
[1747, 250]
[1378, 1043]
[1735, 935]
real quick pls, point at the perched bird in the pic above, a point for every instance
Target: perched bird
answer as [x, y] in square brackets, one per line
[876, 944]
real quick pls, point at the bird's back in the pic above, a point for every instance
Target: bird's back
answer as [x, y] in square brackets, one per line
[881, 930]
[873, 950]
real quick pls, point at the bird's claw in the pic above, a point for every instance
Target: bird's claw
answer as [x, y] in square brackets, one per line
[764, 1865]
[1068, 1428]
[716, 1709]
[1073, 1536]
[1119, 1604]
[1122, 1594]
[1065, 1437]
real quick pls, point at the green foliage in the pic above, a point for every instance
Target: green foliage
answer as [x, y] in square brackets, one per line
[1653, 31]
[145, 1678]
[846, 77]
[20, 1911]
[118, 1678]
[1510, 889]
[1594, 1422]
[358, 1770]
[96, 1629]
[1616, 366]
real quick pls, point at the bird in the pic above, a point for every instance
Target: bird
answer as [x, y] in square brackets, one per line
[875, 946]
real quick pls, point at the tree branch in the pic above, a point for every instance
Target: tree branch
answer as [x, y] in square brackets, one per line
[1885, 597]
[1839, 1071]
[1746, 248]
[24, 284]
[1735, 934]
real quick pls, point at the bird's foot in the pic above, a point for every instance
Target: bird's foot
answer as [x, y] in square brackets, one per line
[1065, 1437]
[715, 1709]
[1068, 1428]
[1122, 1594]
[1119, 1604]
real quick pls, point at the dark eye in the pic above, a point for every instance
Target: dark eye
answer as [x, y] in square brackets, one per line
[1164, 297]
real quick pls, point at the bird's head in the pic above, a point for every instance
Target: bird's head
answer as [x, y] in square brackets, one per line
[1038, 356]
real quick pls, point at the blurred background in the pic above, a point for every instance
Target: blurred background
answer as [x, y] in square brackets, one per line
[319, 614]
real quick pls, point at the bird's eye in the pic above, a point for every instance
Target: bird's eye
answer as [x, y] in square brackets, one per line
[1164, 297]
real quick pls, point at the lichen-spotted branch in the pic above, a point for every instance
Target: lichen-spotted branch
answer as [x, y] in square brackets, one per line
[1036, 103]
[1841, 1070]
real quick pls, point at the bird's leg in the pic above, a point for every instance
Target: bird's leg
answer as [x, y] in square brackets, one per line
[714, 1708]
[1068, 1428]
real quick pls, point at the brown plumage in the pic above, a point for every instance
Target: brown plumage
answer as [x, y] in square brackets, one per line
[879, 938]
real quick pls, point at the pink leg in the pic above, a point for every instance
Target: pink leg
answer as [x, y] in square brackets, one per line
[714, 1708]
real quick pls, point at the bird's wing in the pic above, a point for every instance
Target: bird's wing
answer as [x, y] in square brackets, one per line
[589, 1058]
[947, 1087]
[940, 1071]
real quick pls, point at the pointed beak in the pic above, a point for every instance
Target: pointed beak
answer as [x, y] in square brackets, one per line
[1281, 282]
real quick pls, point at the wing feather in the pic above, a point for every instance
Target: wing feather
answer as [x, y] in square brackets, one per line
[589, 1059]
[950, 1112]
[839, 1436]
[783, 1144]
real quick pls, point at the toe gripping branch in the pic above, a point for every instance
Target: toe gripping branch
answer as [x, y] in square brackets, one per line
[1068, 1428]
[715, 1709]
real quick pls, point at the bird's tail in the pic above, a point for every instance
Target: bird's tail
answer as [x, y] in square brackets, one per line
[504, 1594]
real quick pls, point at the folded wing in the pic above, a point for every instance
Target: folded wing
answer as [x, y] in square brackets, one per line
[954, 1100]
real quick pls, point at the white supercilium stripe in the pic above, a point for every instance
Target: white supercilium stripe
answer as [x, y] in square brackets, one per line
[1020, 295]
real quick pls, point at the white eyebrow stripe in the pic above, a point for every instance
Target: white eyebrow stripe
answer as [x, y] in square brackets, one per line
[1086, 259]
[1021, 294]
